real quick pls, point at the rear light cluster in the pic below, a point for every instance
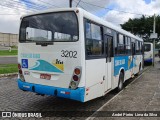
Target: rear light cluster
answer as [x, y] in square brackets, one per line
[75, 78]
[20, 72]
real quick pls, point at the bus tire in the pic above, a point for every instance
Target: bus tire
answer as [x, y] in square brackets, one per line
[138, 70]
[120, 83]
[139, 67]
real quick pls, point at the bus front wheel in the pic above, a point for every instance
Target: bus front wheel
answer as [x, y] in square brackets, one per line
[120, 83]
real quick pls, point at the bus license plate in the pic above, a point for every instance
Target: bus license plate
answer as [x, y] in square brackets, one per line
[45, 76]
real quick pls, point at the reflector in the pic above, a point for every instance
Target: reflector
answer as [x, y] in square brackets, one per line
[19, 66]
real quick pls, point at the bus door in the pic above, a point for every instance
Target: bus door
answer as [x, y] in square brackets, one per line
[133, 60]
[108, 65]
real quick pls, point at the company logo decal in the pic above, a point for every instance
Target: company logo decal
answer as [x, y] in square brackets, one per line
[119, 62]
[30, 55]
[59, 64]
[6, 114]
[42, 65]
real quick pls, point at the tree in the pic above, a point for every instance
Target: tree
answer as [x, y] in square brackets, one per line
[143, 27]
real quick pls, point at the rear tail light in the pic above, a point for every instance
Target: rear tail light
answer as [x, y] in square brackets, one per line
[20, 73]
[77, 71]
[75, 78]
[19, 66]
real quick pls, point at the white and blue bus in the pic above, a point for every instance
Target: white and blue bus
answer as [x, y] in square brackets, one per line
[73, 54]
[148, 52]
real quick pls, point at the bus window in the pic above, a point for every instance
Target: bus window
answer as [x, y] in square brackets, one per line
[147, 47]
[109, 46]
[115, 43]
[121, 45]
[61, 36]
[94, 41]
[141, 51]
[33, 34]
[128, 45]
[59, 26]
[138, 47]
[133, 46]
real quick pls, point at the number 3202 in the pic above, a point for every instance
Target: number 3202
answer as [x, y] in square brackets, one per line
[71, 54]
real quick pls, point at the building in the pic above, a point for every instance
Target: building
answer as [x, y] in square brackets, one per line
[8, 39]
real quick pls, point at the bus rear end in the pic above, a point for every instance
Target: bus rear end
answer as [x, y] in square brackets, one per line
[49, 55]
[148, 53]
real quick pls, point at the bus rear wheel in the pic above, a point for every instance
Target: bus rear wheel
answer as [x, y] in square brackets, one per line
[121, 80]
[140, 67]
[139, 70]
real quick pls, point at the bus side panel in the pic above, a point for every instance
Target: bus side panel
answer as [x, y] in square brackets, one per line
[148, 55]
[123, 62]
[115, 78]
[138, 60]
[95, 70]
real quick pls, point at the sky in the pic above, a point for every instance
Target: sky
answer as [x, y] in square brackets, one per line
[115, 11]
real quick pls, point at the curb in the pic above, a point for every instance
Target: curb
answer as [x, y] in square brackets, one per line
[8, 74]
[9, 56]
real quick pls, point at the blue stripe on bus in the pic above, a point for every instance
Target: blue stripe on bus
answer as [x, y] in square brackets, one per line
[125, 62]
[77, 94]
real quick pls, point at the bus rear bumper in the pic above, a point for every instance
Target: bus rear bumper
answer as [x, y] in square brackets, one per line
[148, 60]
[77, 94]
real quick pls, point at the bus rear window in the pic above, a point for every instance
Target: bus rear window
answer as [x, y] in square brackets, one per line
[147, 47]
[59, 27]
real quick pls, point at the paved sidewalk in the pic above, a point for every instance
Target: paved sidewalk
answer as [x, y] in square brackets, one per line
[142, 95]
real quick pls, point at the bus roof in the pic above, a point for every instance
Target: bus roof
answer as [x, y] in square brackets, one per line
[91, 17]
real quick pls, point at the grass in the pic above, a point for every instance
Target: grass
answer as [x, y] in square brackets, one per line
[8, 68]
[7, 53]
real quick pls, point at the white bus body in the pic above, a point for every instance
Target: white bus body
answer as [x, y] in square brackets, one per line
[73, 54]
[148, 52]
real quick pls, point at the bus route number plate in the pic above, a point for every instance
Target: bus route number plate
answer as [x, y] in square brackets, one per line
[45, 76]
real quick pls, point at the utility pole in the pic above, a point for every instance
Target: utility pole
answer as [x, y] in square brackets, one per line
[154, 31]
[70, 3]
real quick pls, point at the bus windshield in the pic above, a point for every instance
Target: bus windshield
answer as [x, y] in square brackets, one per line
[147, 47]
[59, 26]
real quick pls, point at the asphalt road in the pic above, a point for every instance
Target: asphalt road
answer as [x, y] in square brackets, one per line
[8, 60]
